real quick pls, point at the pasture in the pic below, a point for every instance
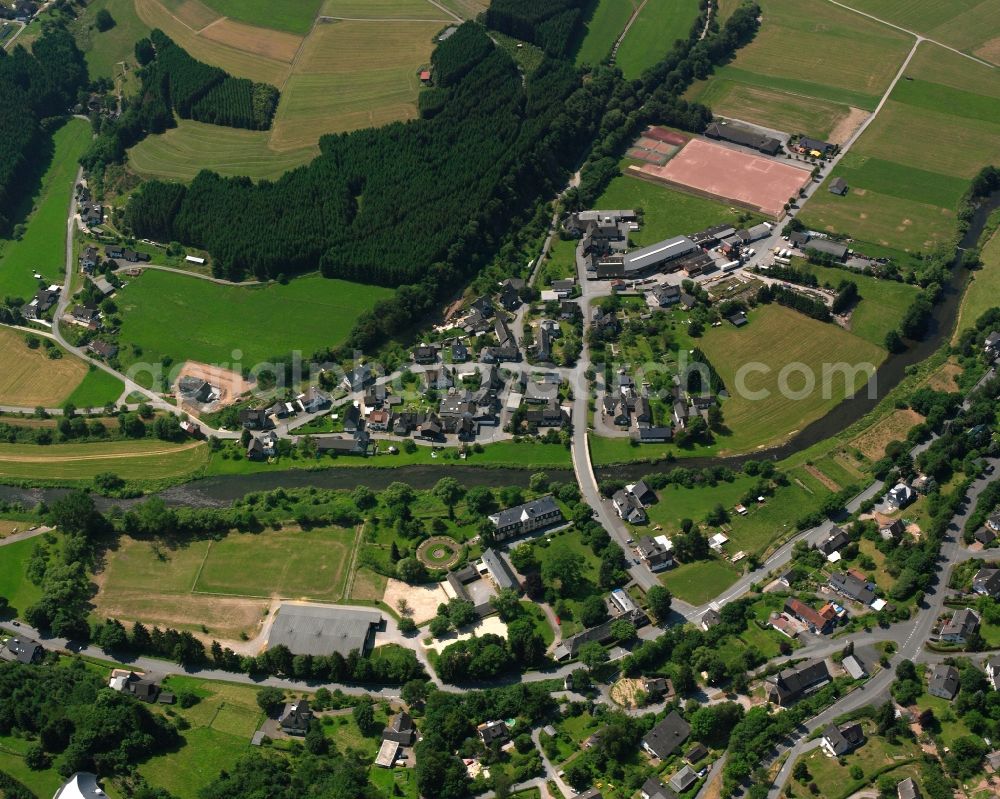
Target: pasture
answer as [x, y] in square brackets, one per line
[603, 29]
[652, 35]
[42, 248]
[356, 67]
[914, 162]
[805, 51]
[29, 378]
[105, 51]
[759, 413]
[158, 308]
[146, 459]
[969, 25]
[700, 581]
[224, 584]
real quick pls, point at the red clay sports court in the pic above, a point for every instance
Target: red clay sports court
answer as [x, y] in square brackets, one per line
[738, 177]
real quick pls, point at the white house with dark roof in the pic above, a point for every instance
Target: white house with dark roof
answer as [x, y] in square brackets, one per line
[526, 518]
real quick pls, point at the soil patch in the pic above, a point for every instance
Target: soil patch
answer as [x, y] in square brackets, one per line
[826, 480]
[439, 552]
[893, 427]
[423, 600]
[845, 128]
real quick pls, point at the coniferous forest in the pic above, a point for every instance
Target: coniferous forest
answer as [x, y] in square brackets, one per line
[550, 24]
[34, 86]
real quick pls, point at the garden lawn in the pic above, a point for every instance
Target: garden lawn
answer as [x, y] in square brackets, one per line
[222, 723]
[294, 16]
[603, 29]
[883, 302]
[41, 783]
[701, 581]
[97, 390]
[541, 621]
[877, 754]
[778, 344]
[573, 542]
[145, 460]
[20, 592]
[652, 35]
[42, 249]
[186, 318]
[396, 782]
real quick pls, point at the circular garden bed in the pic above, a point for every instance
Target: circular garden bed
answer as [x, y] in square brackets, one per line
[439, 552]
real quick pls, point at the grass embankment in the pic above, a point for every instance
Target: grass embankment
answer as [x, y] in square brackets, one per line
[983, 289]
[77, 464]
[42, 248]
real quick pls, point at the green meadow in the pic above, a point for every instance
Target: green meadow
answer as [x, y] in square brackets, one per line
[652, 35]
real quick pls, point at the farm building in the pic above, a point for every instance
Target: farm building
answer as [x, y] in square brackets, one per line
[838, 186]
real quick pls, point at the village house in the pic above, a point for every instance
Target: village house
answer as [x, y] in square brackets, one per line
[987, 582]
[400, 729]
[667, 736]
[942, 681]
[295, 718]
[491, 732]
[791, 684]
[314, 400]
[900, 496]
[963, 625]
[892, 531]
[89, 258]
[143, 688]
[834, 542]
[840, 741]
[818, 622]
[853, 587]
[993, 671]
[103, 349]
[21, 650]
[358, 444]
[40, 304]
[253, 418]
[907, 789]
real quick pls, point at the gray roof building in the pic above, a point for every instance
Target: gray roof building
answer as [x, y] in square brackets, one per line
[322, 630]
[499, 570]
[942, 681]
[789, 685]
[525, 518]
[667, 736]
[908, 789]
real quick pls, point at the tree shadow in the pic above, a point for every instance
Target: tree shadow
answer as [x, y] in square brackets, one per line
[26, 184]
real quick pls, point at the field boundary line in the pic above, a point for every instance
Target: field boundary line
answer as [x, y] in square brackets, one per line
[919, 37]
[447, 11]
[352, 569]
[233, 596]
[201, 567]
[371, 19]
[200, 31]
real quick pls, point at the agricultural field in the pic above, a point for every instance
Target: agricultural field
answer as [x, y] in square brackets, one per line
[882, 305]
[652, 35]
[355, 68]
[293, 16]
[766, 421]
[182, 152]
[766, 106]
[352, 75]
[29, 378]
[806, 52]
[42, 248]
[79, 463]
[603, 29]
[983, 289]
[158, 307]
[221, 725]
[909, 170]
[224, 584]
[972, 26]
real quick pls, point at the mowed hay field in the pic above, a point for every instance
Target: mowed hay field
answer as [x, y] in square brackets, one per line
[227, 582]
[775, 338]
[29, 378]
[652, 35]
[353, 66]
[805, 51]
[192, 319]
[969, 25]
[352, 75]
[909, 170]
[143, 459]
